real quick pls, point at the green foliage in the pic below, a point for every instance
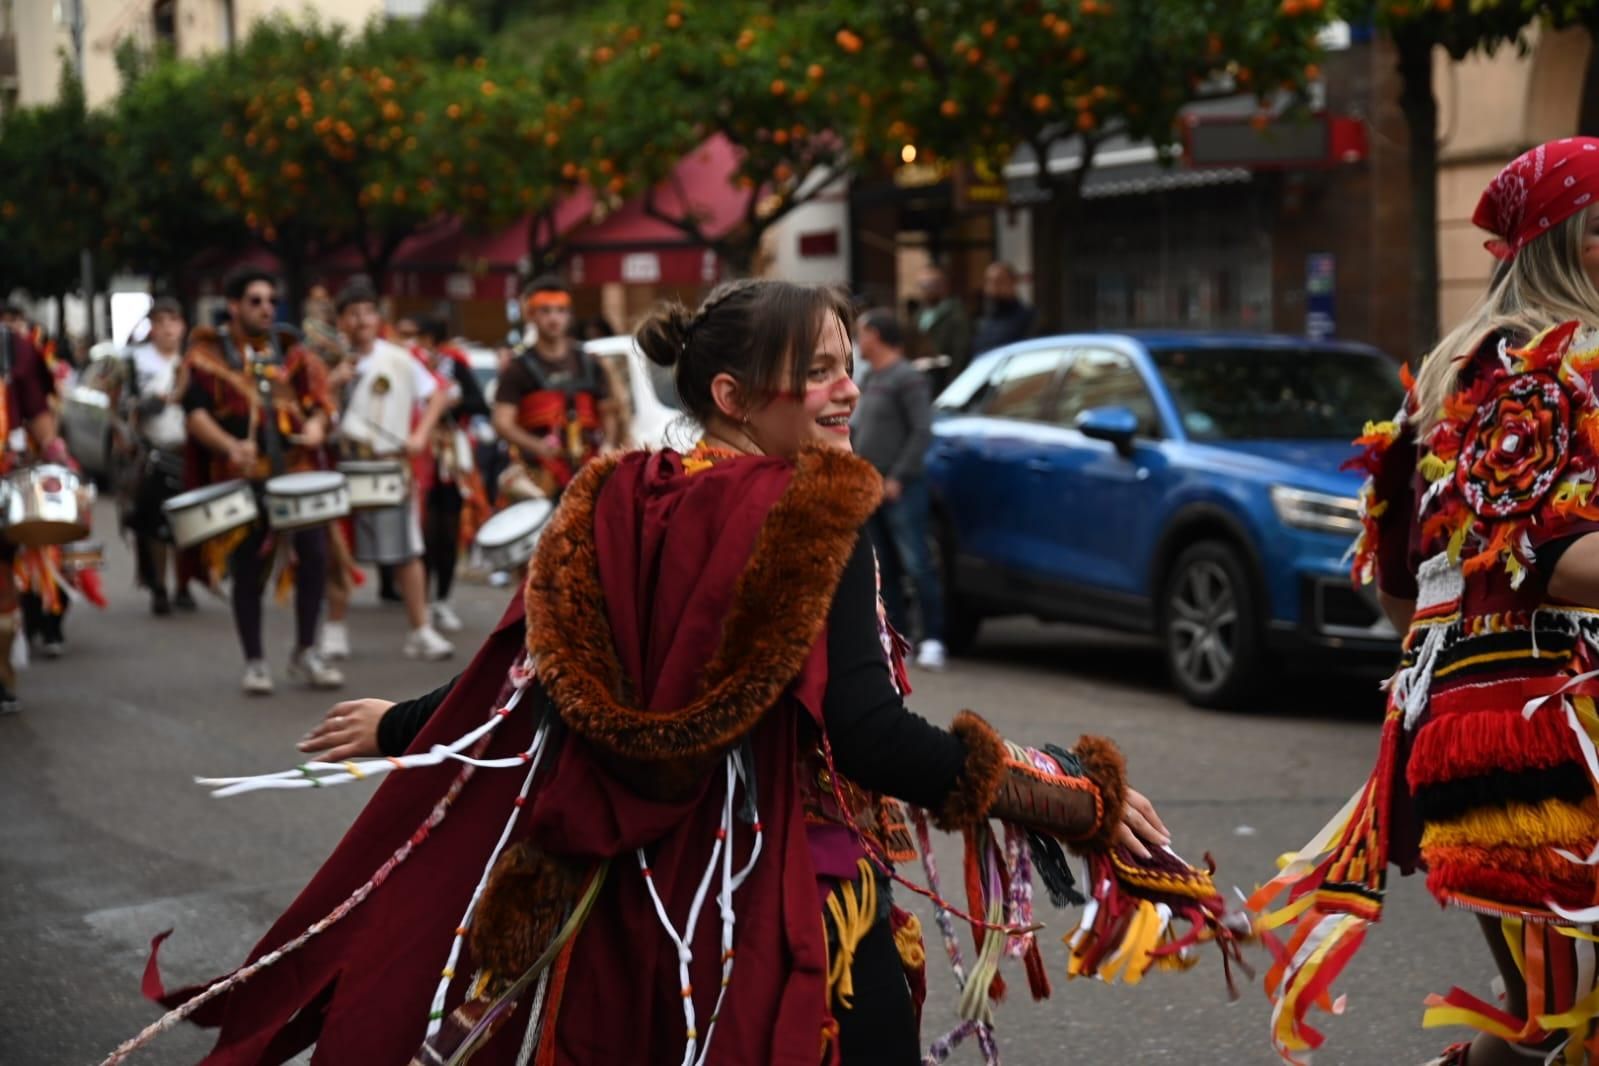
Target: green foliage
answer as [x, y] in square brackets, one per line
[1462, 27]
[53, 192]
[158, 213]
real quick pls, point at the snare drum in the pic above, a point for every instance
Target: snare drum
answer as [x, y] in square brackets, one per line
[375, 483]
[198, 516]
[47, 504]
[314, 498]
[507, 540]
[82, 555]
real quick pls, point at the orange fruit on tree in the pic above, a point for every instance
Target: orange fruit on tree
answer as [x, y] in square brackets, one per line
[814, 72]
[1042, 103]
[1086, 121]
[974, 56]
[674, 20]
[779, 86]
[848, 41]
[949, 109]
[1013, 42]
[989, 28]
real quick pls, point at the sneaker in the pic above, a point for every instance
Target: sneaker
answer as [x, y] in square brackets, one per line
[425, 643]
[307, 668]
[9, 704]
[499, 579]
[184, 600]
[160, 606]
[335, 642]
[445, 619]
[53, 648]
[930, 655]
[257, 678]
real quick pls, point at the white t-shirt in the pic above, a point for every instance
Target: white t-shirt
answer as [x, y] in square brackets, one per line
[390, 386]
[155, 374]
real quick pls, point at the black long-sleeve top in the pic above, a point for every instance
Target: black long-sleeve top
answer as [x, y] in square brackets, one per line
[877, 743]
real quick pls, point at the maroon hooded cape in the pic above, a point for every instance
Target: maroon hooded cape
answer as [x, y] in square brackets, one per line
[671, 617]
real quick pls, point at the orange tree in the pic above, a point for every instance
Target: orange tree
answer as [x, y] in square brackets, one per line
[497, 144]
[761, 75]
[1460, 28]
[976, 80]
[323, 145]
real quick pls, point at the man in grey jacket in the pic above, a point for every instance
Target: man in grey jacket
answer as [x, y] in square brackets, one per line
[891, 430]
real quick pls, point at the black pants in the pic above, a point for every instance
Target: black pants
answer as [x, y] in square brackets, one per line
[879, 1028]
[441, 533]
[38, 622]
[250, 573]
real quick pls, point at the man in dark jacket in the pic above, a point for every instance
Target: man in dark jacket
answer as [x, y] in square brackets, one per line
[1005, 318]
[891, 430]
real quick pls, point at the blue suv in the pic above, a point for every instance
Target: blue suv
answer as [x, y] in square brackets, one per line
[1181, 484]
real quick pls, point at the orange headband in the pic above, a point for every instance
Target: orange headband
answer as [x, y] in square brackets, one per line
[550, 299]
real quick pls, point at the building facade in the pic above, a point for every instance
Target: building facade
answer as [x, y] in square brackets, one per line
[38, 36]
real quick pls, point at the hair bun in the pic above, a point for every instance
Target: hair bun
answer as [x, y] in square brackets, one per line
[662, 335]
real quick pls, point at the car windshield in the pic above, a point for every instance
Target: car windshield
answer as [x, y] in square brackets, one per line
[1278, 393]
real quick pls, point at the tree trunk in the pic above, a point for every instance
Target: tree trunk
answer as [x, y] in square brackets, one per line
[1421, 117]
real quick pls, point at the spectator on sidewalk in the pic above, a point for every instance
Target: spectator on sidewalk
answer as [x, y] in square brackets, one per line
[942, 323]
[1005, 319]
[892, 428]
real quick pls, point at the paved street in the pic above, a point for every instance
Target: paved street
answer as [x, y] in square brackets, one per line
[106, 841]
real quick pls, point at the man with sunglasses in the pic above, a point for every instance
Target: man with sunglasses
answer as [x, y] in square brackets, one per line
[258, 406]
[553, 404]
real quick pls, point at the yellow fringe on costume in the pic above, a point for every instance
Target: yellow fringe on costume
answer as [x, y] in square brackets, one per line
[853, 915]
[216, 552]
[1552, 822]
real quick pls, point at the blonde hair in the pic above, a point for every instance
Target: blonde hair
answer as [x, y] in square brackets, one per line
[1543, 286]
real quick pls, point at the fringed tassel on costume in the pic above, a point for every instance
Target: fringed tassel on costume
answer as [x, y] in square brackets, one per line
[852, 913]
[1334, 889]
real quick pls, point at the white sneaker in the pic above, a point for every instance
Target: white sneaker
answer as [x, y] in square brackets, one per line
[335, 642]
[257, 678]
[499, 579]
[445, 619]
[307, 668]
[930, 655]
[425, 643]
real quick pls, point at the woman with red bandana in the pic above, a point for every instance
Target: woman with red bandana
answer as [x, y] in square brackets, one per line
[685, 823]
[1479, 518]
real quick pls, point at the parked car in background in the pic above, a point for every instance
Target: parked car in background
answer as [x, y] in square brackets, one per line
[89, 419]
[1186, 485]
[654, 415]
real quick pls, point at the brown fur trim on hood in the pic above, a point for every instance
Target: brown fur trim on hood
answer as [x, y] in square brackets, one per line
[779, 607]
[1102, 761]
[980, 777]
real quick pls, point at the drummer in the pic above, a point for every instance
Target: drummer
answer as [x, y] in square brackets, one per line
[554, 403]
[29, 427]
[391, 405]
[258, 406]
[154, 410]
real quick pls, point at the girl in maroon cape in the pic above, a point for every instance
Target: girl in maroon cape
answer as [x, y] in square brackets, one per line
[648, 822]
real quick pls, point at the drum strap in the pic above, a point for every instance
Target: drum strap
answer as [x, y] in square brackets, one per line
[271, 439]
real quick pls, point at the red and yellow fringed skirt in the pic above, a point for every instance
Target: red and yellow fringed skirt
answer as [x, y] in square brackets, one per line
[1488, 748]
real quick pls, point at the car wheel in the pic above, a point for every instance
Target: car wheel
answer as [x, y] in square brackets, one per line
[1210, 626]
[961, 623]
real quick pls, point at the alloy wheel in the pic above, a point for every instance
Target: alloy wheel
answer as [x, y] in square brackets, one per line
[1204, 625]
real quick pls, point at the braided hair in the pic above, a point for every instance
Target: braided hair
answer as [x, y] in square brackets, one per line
[761, 332]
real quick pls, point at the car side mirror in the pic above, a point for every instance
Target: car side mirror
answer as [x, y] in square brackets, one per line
[1115, 425]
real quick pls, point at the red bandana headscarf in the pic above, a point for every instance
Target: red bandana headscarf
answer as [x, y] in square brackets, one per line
[1537, 190]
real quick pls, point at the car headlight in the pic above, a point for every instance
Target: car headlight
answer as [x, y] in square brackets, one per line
[1319, 512]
